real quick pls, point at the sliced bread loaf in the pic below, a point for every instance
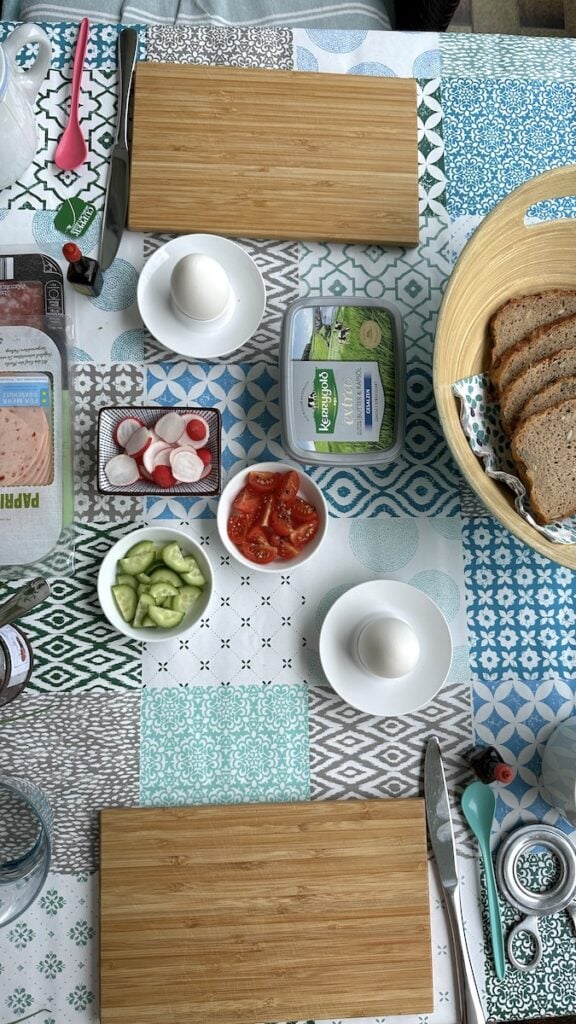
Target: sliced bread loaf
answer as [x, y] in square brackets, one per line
[544, 447]
[531, 381]
[522, 314]
[544, 341]
[550, 395]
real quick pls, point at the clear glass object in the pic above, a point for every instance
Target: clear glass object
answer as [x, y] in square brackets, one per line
[25, 845]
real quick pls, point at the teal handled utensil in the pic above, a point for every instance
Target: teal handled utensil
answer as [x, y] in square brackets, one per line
[478, 805]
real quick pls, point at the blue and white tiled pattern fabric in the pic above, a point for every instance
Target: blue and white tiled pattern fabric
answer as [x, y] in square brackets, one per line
[493, 144]
[522, 630]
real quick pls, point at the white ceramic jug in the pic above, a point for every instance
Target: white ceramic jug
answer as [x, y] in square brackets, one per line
[18, 91]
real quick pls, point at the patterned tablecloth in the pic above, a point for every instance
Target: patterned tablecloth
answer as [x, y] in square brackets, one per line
[240, 710]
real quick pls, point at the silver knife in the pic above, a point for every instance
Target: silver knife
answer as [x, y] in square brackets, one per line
[442, 839]
[118, 189]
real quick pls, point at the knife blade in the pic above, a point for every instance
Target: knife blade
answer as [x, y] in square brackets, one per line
[441, 835]
[118, 188]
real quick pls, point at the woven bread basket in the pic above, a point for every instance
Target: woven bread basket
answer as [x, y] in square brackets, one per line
[504, 257]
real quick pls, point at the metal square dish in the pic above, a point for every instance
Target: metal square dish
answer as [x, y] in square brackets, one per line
[108, 419]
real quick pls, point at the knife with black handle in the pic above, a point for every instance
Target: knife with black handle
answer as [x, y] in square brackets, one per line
[118, 190]
[442, 839]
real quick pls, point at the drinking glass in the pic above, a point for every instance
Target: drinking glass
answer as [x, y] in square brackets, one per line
[25, 845]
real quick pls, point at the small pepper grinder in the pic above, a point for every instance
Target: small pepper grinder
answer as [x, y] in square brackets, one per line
[83, 274]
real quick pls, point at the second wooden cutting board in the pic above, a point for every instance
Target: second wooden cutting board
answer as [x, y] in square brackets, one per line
[274, 154]
[264, 912]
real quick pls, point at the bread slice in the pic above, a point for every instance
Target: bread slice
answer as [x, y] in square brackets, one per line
[522, 314]
[544, 447]
[544, 341]
[531, 381]
[550, 395]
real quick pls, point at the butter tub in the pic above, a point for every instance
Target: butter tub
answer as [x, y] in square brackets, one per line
[343, 382]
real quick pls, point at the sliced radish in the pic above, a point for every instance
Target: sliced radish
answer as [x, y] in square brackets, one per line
[170, 427]
[122, 470]
[163, 476]
[125, 428]
[149, 459]
[197, 430]
[186, 466]
[163, 458]
[138, 442]
[144, 474]
[204, 454]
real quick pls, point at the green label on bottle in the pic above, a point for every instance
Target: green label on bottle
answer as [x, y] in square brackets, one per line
[74, 217]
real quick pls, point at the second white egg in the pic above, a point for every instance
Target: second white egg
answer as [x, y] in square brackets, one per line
[388, 647]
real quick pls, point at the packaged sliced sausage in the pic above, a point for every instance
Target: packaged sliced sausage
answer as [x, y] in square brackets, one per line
[36, 483]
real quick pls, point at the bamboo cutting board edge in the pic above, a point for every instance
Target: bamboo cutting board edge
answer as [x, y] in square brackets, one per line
[258, 181]
[250, 834]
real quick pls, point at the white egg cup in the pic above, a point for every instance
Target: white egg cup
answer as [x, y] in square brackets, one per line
[188, 336]
[385, 696]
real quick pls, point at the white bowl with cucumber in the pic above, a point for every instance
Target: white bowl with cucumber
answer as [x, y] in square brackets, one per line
[155, 583]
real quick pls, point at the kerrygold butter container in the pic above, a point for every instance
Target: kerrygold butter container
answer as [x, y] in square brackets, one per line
[343, 382]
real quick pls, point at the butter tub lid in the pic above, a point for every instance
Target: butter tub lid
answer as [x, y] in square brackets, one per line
[342, 382]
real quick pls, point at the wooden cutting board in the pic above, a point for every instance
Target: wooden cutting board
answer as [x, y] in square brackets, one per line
[264, 912]
[274, 154]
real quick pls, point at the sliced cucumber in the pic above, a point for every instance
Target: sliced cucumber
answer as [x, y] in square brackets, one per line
[165, 617]
[133, 565]
[185, 598]
[174, 559]
[128, 581]
[156, 585]
[160, 591]
[193, 577]
[145, 547]
[144, 603]
[166, 576]
[126, 600]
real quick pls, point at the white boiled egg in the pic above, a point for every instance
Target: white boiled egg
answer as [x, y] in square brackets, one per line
[199, 286]
[388, 647]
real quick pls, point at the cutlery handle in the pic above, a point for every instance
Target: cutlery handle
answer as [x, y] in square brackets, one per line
[494, 915]
[471, 1011]
[127, 50]
[79, 57]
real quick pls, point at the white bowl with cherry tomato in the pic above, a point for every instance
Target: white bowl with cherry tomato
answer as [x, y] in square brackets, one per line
[272, 517]
[154, 450]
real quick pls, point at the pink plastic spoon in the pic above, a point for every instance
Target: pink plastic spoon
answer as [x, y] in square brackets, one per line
[72, 149]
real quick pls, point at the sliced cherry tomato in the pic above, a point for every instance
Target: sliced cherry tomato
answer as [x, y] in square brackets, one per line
[238, 524]
[304, 533]
[288, 487]
[258, 534]
[286, 550]
[266, 511]
[248, 501]
[257, 548]
[303, 511]
[264, 483]
[281, 520]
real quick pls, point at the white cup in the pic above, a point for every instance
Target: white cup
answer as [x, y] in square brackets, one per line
[558, 775]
